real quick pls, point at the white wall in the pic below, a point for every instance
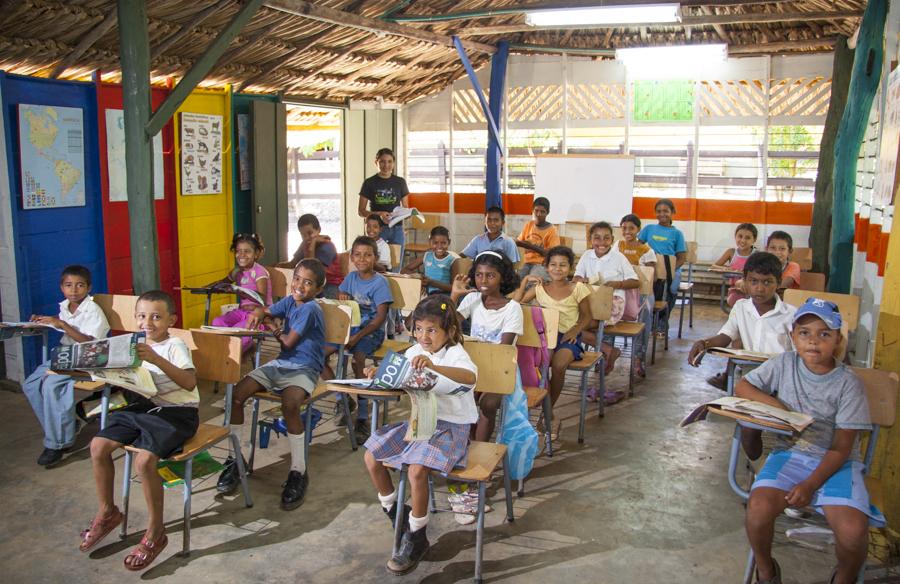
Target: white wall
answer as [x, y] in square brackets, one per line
[9, 288]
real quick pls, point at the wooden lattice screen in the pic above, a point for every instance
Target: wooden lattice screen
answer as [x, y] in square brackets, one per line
[597, 102]
[803, 96]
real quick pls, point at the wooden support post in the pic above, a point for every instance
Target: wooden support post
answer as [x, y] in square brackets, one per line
[867, 64]
[820, 233]
[134, 51]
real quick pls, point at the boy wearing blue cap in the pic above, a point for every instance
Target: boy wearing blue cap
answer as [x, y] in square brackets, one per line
[822, 466]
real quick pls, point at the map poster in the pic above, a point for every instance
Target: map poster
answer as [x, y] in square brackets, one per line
[51, 143]
[115, 159]
[887, 180]
[201, 154]
[243, 132]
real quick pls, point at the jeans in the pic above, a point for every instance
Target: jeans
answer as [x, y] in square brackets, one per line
[52, 397]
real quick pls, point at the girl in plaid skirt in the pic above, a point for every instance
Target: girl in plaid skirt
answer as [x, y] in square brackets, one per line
[439, 348]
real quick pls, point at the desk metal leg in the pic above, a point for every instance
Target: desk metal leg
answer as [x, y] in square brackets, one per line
[104, 406]
[45, 348]
[733, 457]
[206, 309]
[729, 377]
[722, 304]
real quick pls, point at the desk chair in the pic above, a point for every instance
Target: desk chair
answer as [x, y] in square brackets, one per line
[633, 330]
[531, 337]
[496, 374]
[460, 266]
[686, 289]
[812, 281]
[215, 357]
[803, 256]
[422, 228]
[281, 279]
[847, 303]
[406, 293]
[665, 272]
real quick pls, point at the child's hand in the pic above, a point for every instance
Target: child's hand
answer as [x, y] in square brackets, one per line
[421, 362]
[351, 343]
[569, 336]
[146, 353]
[697, 352]
[385, 217]
[342, 296]
[531, 278]
[370, 372]
[461, 285]
[801, 495]
[255, 317]
[48, 320]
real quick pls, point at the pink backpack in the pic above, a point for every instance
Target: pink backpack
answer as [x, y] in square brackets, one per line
[532, 360]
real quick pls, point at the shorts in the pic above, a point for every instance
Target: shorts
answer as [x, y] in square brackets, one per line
[784, 469]
[574, 346]
[366, 345]
[160, 430]
[274, 377]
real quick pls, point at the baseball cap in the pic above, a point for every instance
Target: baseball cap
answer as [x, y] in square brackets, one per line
[824, 309]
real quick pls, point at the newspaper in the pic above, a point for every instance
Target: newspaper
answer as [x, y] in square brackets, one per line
[740, 354]
[119, 351]
[136, 379]
[28, 325]
[401, 213]
[757, 410]
[244, 293]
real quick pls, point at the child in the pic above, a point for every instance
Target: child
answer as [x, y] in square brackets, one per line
[734, 258]
[52, 397]
[438, 262]
[493, 239]
[571, 300]
[293, 375]
[822, 466]
[373, 230]
[537, 237]
[158, 427]
[440, 348]
[781, 245]
[760, 323]
[665, 239]
[614, 271]
[247, 249]
[315, 245]
[637, 253]
[373, 294]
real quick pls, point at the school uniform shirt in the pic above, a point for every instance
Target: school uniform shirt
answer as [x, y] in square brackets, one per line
[792, 270]
[384, 193]
[611, 267]
[637, 252]
[438, 269]
[568, 307]
[663, 240]
[88, 318]
[169, 393]
[384, 255]
[457, 407]
[369, 294]
[308, 321]
[767, 333]
[502, 243]
[547, 237]
[488, 325]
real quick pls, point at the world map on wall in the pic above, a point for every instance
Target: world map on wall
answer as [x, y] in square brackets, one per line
[52, 153]
[115, 157]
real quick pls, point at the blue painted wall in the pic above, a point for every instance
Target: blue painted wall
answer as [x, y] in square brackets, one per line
[49, 239]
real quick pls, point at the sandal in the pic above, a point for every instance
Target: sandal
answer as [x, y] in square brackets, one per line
[593, 394]
[144, 554]
[99, 529]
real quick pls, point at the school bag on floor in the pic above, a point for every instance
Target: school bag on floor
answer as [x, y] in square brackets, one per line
[517, 433]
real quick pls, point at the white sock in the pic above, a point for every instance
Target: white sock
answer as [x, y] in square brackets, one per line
[298, 452]
[387, 501]
[417, 523]
[238, 430]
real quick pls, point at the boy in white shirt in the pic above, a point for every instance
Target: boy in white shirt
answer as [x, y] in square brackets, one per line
[52, 397]
[373, 230]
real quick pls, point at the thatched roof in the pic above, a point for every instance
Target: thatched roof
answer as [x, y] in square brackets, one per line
[335, 50]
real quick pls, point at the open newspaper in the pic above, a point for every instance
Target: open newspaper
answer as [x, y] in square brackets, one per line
[27, 325]
[243, 293]
[113, 360]
[397, 372]
[740, 354]
[724, 269]
[401, 213]
[757, 411]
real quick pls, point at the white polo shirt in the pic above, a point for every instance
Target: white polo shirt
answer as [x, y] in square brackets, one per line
[767, 333]
[613, 266]
[88, 318]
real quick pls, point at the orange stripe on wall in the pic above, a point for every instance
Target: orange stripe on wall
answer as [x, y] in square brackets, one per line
[861, 235]
[882, 259]
[873, 242]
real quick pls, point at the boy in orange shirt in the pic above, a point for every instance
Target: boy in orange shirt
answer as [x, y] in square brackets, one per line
[537, 237]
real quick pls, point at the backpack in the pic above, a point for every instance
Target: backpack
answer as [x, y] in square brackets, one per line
[533, 360]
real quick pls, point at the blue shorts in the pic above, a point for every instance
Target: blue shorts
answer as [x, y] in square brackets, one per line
[366, 345]
[784, 469]
[574, 346]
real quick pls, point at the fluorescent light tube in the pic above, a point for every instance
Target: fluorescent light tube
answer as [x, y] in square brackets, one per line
[662, 58]
[646, 13]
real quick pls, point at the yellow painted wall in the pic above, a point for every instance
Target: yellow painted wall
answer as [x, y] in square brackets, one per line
[205, 222]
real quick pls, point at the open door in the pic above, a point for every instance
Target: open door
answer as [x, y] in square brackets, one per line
[269, 182]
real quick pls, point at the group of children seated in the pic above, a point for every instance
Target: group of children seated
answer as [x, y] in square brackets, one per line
[821, 468]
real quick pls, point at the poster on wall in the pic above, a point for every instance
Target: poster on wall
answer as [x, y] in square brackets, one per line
[51, 143]
[243, 132]
[201, 154]
[886, 179]
[663, 101]
[115, 158]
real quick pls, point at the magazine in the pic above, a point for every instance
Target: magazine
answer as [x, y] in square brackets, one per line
[740, 354]
[401, 213]
[724, 269]
[755, 411]
[243, 293]
[136, 379]
[119, 351]
[28, 325]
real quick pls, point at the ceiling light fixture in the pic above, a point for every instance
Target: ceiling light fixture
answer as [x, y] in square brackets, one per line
[671, 61]
[643, 14]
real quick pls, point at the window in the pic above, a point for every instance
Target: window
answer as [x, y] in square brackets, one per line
[793, 162]
[428, 161]
[661, 159]
[729, 164]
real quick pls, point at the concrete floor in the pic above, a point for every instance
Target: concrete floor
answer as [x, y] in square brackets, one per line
[640, 501]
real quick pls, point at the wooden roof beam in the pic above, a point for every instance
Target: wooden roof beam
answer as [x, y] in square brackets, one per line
[86, 42]
[186, 28]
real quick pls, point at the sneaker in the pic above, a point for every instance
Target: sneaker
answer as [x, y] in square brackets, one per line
[230, 478]
[362, 431]
[294, 490]
[461, 513]
[413, 547]
[339, 411]
[50, 456]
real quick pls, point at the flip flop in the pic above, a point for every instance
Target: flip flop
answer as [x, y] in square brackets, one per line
[99, 529]
[145, 552]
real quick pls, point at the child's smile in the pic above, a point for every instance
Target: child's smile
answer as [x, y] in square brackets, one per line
[363, 259]
[439, 245]
[744, 241]
[601, 241]
[664, 215]
[629, 231]
[244, 255]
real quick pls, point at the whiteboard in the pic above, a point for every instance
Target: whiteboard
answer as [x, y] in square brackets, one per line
[585, 187]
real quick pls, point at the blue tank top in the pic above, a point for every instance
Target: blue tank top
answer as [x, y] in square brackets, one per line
[436, 269]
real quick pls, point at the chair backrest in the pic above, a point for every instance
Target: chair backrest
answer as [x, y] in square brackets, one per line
[496, 366]
[847, 303]
[405, 291]
[812, 281]
[566, 241]
[396, 250]
[216, 357]
[881, 391]
[616, 231]
[281, 279]
[530, 337]
[119, 310]
[432, 220]
[344, 259]
[803, 256]
[337, 323]
[460, 266]
[601, 303]
[661, 260]
[646, 275]
[691, 257]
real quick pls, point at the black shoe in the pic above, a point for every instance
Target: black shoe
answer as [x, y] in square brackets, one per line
[339, 411]
[413, 546]
[230, 477]
[719, 381]
[50, 456]
[392, 515]
[362, 431]
[294, 490]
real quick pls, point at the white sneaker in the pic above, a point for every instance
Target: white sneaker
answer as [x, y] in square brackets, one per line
[460, 512]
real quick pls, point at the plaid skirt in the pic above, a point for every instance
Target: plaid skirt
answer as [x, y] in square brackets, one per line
[447, 449]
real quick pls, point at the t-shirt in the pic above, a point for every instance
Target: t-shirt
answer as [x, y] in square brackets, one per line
[88, 318]
[248, 278]
[835, 400]
[547, 237]
[611, 267]
[438, 269]
[369, 294]
[308, 321]
[792, 270]
[663, 240]
[456, 408]
[767, 333]
[637, 252]
[176, 352]
[567, 307]
[489, 325]
[325, 252]
[384, 193]
[502, 243]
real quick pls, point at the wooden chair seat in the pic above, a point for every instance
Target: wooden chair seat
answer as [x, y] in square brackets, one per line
[685, 286]
[481, 461]
[660, 305]
[89, 385]
[588, 359]
[206, 436]
[394, 345]
[535, 395]
[417, 247]
[624, 329]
